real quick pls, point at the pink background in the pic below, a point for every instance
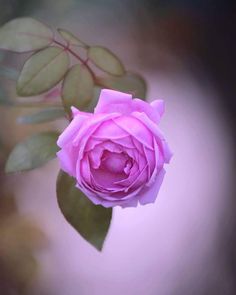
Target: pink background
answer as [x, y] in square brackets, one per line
[152, 249]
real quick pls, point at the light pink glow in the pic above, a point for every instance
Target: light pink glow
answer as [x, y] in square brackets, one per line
[151, 249]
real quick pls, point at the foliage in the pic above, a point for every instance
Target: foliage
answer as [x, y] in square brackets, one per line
[91, 221]
[55, 60]
[42, 71]
[33, 152]
[77, 89]
[42, 116]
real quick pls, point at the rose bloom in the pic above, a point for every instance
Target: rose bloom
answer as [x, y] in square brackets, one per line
[117, 153]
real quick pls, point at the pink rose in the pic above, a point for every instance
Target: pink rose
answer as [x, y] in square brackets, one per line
[116, 154]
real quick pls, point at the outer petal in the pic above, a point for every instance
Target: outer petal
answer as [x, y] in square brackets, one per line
[126, 142]
[88, 129]
[159, 106]
[157, 133]
[139, 105]
[113, 101]
[149, 194]
[70, 132]
[131, 200]
[158, 162]
[76, 112]
[151, 160]
[110, 130]
[136, 128]
[67, 157]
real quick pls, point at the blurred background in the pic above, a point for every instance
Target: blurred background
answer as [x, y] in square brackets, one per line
[183, 244]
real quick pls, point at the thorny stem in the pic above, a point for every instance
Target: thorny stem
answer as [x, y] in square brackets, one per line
[84, 62]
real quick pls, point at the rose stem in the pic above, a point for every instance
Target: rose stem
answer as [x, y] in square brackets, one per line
[84, 62]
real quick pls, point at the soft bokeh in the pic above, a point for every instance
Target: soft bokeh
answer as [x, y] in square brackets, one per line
[184, 243]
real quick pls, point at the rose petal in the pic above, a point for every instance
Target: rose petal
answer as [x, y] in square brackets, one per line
[136, 176]
[109, 130]
[85, 171]
[158, 134]
[139, 105]
[129, 201]
[114, 162]
[96, 153]
[114, 101]
[149, 194]
[72, 129]
[109, 198]
[133, 153]
[159, 162]
[106, 179]
[135, 128]
[126, 142]
[95, 156]
[67, 157]
[150, 158]
[91, 143]
[159, 105]
[87, 130]
[111, 101]
[76, 112]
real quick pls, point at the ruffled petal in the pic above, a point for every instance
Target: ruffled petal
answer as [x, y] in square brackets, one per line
[150, 158]
[88, 128]
[71, 131]
[125, 142]
[114, 101]
[96, 153]
[135, 128]
[95, 156]
[159, 106]
[85, 171]
[139, 105]
[76, 112]
[157, 133]
[67, 157]
[149, 194]
[158, 164]
[106, 201]
[109, 130]
[111, 101]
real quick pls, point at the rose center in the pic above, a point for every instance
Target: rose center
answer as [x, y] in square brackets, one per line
[115, 162]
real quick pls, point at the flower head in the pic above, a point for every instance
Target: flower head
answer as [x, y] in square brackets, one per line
[117, 153]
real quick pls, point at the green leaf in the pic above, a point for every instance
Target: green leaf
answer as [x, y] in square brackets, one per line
[91, 221]
[24, 34]
[129, 83]
[42, 116]
[33, 152]
[106, 60]
[42, 71]
[71, 39]
[77, 89]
